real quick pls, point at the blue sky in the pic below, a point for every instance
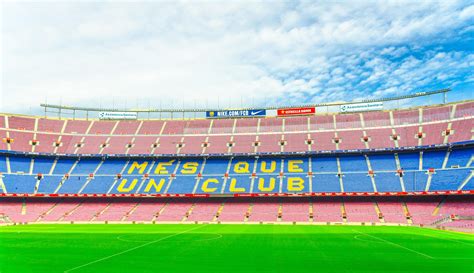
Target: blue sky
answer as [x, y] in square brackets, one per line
[175, 54]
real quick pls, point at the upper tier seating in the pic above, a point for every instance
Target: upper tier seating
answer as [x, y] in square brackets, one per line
[369, 130]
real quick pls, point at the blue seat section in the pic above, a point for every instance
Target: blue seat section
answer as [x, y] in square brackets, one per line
[73, 184]
[296, 165]
[324, 164]
[167, 166]
[154, 184]
[269, 166]
[448, 179]
[460, 157]
[240, 165]
[266, 184]
[183, 184]
[136, 167]
[127, 184]
[469, 185]
[42, 165]
[326, 183]
[295, 183]
[19, 183]
[20, 164]
[216, 167]
[357, 182]
[86, 166]
[3, 164]
[433, 159]
[238, 184]
[383, 162]
[189, 166]
[409, 161]
[100, 184]
[111, 166]
[210, 184]
[354, 163]
[387, 182]
[49, 183]
[63, 165]
[295, 172]
[415, 180]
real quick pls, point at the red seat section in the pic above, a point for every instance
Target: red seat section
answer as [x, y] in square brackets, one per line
[344, 121]
[246, 125]
[126, 127]
[102, 127]
[380, 138]
[376, 119]
[297, 124]
[271, 125]
[151, 127]
[193, 145]
[349, 140]
[348, 131]
[168, 145]
[142, 145]
[322, 123]
[46, 143]
[464, 110]
[437, 113]
[77, 126]
[21, 123]
[117, 145]
[269, 143]
[296, 143]
[244, 144]
[405, 117]
[50, 125]
[223, 126]
[21, 141]
[323, 141]
[218, 144]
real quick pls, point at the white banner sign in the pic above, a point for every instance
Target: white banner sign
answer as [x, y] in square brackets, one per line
[360, 107]
[117, 115]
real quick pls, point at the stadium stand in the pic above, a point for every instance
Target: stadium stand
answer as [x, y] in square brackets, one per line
[372, 130]
[318, 166]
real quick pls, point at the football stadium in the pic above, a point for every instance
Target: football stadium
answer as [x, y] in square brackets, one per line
[241, 182]
[236, 137]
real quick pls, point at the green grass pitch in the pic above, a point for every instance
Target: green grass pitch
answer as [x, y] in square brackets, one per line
[232, 248]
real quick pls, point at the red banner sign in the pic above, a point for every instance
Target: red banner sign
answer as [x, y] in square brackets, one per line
[296, 111]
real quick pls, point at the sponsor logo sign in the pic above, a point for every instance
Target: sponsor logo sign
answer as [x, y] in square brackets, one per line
[117, 115]
[360, 107]
[236, 113]
[296, 111]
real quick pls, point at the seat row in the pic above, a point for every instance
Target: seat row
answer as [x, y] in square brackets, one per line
[419, 211]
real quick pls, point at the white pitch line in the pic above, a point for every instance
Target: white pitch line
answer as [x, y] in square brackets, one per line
[132, 249]
[448, 239]
[397, 245]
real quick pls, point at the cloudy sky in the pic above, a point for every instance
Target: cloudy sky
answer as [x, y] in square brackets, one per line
[239, 53]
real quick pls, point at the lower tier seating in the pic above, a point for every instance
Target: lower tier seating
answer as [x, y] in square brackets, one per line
[418, 210]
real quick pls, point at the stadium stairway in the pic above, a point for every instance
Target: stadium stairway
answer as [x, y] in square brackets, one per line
[379, 213]
[130, 212]
[218, 213]
[407, 213]
[42, 215]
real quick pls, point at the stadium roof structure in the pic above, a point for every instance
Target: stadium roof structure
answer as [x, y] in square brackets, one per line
[194, 110]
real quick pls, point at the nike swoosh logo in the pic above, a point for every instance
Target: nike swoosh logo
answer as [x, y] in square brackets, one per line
[255, 113]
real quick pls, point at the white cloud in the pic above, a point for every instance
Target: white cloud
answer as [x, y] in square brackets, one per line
[266, 52]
